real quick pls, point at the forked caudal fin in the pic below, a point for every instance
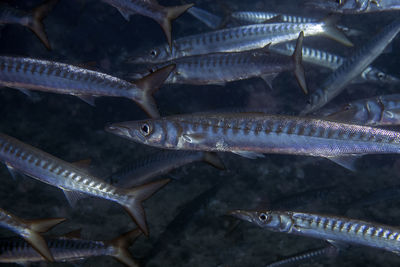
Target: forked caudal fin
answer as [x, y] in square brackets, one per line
[33, 237]
[148, 85]
[334, 33]
[298, 66]
[137, 195]
[35, 23]
[171, 14]
[120, 247]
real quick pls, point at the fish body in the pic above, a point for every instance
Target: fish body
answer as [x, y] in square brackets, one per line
[252, 134]
[69, 249]
[74, 181]
[147, 169]
[262, 17]
[30, 231]
[239, 39]
[150, 8]
[352, 68]
[325, 227]
[32, 20]
[376, 111]
[356, 6]
[333, 61]
[61, 78]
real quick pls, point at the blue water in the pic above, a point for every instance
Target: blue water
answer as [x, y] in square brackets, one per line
[186, 219]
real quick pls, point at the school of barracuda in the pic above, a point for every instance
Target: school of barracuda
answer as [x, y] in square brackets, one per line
[207, 78]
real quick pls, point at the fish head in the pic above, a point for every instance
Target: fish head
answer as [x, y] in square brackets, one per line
[343, 6]
[154, 55]
[375, 75]
[272, 220]
[148, 132]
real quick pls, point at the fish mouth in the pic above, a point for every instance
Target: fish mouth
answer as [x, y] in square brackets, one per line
[117, 129]
[242, 214]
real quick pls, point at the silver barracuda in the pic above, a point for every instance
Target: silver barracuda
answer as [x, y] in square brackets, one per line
[352, 68]
[355, 6]
[30, 230]
[148, 169]
[150, 8]
[49, 76]
[239, 39]
[251, 134]
[220, 68]
[32, 20]
[333, 61]
[331, 228]
[70, 248]
[376, 111]
[75, 182]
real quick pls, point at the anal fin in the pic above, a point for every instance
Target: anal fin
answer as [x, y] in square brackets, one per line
[73, 196]
[348, 162]
[249, 154]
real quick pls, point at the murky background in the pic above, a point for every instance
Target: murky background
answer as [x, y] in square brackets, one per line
[187, 221]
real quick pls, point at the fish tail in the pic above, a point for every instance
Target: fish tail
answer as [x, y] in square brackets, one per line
[120, 247]
[298, 66]
[214, 160]
[33, 237]
[171, 14]
[331, 31]
[148, 85]
[137, 195]
[35, 23]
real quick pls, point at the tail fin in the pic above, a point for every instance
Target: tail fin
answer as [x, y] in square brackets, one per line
[139, 194]
[172, 13]
[214, 160]
[121, 245]
[36, 240]
[298, 67]
[148, 85]
[35, 23]
[334, 33]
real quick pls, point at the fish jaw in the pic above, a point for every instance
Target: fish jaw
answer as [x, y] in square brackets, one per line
[243, 215]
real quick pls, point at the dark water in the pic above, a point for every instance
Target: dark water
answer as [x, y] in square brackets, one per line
[186, 219]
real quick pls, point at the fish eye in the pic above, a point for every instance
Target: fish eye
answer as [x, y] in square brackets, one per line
[263, 217]
[153, 52]
[381, 75]
[145, 129]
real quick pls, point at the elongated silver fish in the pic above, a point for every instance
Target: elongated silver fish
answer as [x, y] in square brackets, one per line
[352, 68]
[220, 68]
[75, 182]
[61, 78]
[150, 8]
[148, 169]
[70, 248]
[32, 20]
[249, 134]
[325, 227]
[376, 111]
[212, 21]
[30, 230]
[333, 61]
[239, 39]
[355, 6]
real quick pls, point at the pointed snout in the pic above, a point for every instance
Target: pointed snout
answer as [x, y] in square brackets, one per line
[242, 214]
[117, 129]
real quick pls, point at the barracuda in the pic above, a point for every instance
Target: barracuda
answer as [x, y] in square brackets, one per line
[330, 228]
[55, 77]
[332, 61]
[352, 68]
[220, 68]
[32, 20]
[30, 230]
[150, 8]
[239, 39]
[147, 169]
[70, 248]
[74, 181]
[249, 134]
[376, 111]
[355, 6]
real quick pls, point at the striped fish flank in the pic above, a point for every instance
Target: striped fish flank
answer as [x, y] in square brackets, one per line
[73, 180]
[61, 78]
[325, 227]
